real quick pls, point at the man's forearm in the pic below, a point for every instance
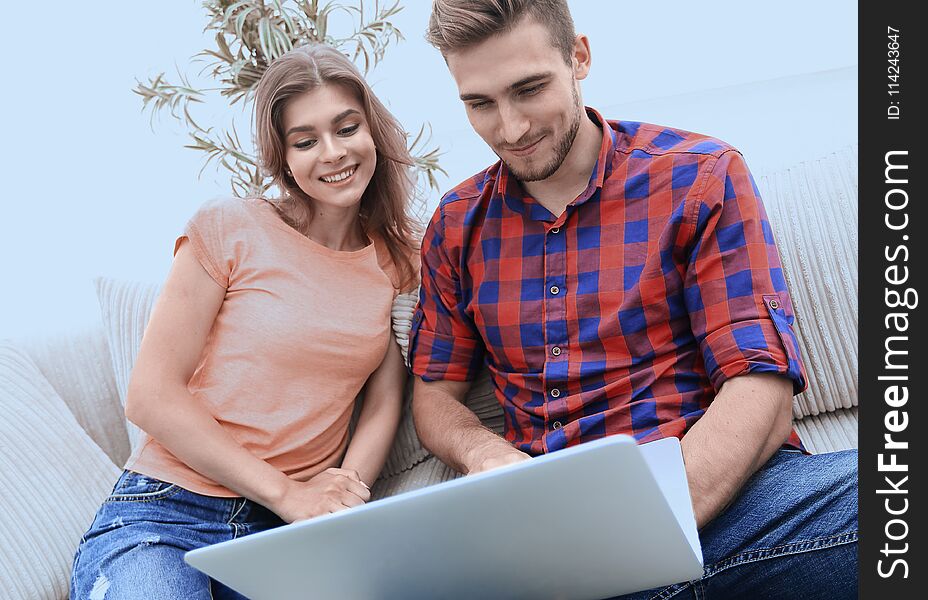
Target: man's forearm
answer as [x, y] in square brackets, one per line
[748, 420]
[452, 432]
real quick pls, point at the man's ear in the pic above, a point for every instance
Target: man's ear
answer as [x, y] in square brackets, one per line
[581, 59]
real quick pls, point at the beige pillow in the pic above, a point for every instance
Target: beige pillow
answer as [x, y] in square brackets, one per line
[79, 368]
[125, 307]
[54, 479]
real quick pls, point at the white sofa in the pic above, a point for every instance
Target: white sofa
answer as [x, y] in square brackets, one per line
[63, 436]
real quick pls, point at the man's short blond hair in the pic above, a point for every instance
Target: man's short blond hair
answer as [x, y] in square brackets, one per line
[457, 24]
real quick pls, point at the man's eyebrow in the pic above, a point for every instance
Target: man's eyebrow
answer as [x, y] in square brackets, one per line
[336, 119]
[522, 82]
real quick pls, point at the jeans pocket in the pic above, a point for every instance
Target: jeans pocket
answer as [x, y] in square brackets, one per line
[135, 487]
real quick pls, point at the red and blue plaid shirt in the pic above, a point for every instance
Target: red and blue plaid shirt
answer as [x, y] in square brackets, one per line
[626, 313]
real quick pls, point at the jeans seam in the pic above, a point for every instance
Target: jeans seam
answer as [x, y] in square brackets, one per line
[236, 512]
[671, 590]
[782, 550]
[167, 492]
[762, 554]
[699, 590]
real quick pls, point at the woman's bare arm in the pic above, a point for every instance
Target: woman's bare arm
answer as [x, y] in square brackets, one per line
[380, 415]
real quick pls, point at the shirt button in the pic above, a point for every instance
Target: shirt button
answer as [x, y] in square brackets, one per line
[556, 425]
[774, 305]
[555, 290]
[555, 393]
[555, 229]
[556, 351]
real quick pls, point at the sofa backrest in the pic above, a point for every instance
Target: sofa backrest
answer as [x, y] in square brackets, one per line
[812, 209]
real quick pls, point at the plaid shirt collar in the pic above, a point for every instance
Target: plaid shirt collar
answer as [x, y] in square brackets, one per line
[510, 189]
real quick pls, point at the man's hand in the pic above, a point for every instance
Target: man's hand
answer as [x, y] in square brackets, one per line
[328, 492]
[494, 456]
[453, 433]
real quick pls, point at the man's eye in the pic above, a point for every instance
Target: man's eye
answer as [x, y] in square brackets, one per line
[303, 144]
[478, 105]
[348, 130]
[531, 91]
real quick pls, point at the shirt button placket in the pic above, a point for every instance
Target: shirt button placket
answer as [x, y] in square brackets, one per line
[555, 369]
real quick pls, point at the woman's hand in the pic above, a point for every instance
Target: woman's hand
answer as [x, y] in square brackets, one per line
[328, 492]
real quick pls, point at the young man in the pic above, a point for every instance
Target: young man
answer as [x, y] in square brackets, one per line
[618, 277]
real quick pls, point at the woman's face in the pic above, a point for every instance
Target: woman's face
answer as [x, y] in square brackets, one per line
[330, 150]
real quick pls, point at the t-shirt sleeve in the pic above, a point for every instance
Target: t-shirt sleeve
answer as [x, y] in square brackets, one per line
[443, 341]
[735, 291]
[208, 232]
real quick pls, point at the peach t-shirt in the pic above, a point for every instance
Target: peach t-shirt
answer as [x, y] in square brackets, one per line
[301, 329]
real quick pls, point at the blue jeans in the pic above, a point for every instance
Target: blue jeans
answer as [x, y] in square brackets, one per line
[791, 533]
[135, 546]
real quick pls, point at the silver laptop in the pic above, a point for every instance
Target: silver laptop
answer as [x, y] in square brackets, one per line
[592, 521]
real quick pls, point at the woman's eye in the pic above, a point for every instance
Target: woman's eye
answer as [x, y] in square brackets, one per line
[348, 130]
[303, 144]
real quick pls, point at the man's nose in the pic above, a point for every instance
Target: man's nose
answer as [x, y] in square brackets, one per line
[514, 124]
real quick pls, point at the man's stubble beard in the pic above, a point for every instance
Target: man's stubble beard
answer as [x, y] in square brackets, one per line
[561, 149]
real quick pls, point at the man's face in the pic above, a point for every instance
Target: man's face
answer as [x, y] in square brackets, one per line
[521, 97]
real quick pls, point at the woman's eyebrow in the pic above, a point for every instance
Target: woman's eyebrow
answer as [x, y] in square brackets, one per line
[335, 119]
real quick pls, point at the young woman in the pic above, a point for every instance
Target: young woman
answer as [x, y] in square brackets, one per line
[274, 317]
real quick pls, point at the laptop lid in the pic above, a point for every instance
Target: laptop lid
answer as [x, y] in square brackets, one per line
[590, 521]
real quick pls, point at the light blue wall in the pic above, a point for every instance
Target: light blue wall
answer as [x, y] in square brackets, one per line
[89, 189]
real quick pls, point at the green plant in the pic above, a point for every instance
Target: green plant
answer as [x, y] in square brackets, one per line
[249, 35]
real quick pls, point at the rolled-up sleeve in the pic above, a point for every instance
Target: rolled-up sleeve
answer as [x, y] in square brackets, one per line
[443, 341]
[735, 291]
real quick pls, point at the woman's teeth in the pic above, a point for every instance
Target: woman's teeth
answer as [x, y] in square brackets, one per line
[339, 176]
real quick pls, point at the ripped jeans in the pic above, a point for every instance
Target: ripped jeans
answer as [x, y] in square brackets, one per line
[135, 546]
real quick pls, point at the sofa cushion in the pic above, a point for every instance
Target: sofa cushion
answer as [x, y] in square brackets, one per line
[125, 307]
[829, 431]
[79, 368]
[409, 465]
[404, 305]
[813, 212]
[54, 479]
[407, 452]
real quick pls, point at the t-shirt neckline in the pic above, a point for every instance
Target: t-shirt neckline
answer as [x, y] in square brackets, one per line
[270, 213]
